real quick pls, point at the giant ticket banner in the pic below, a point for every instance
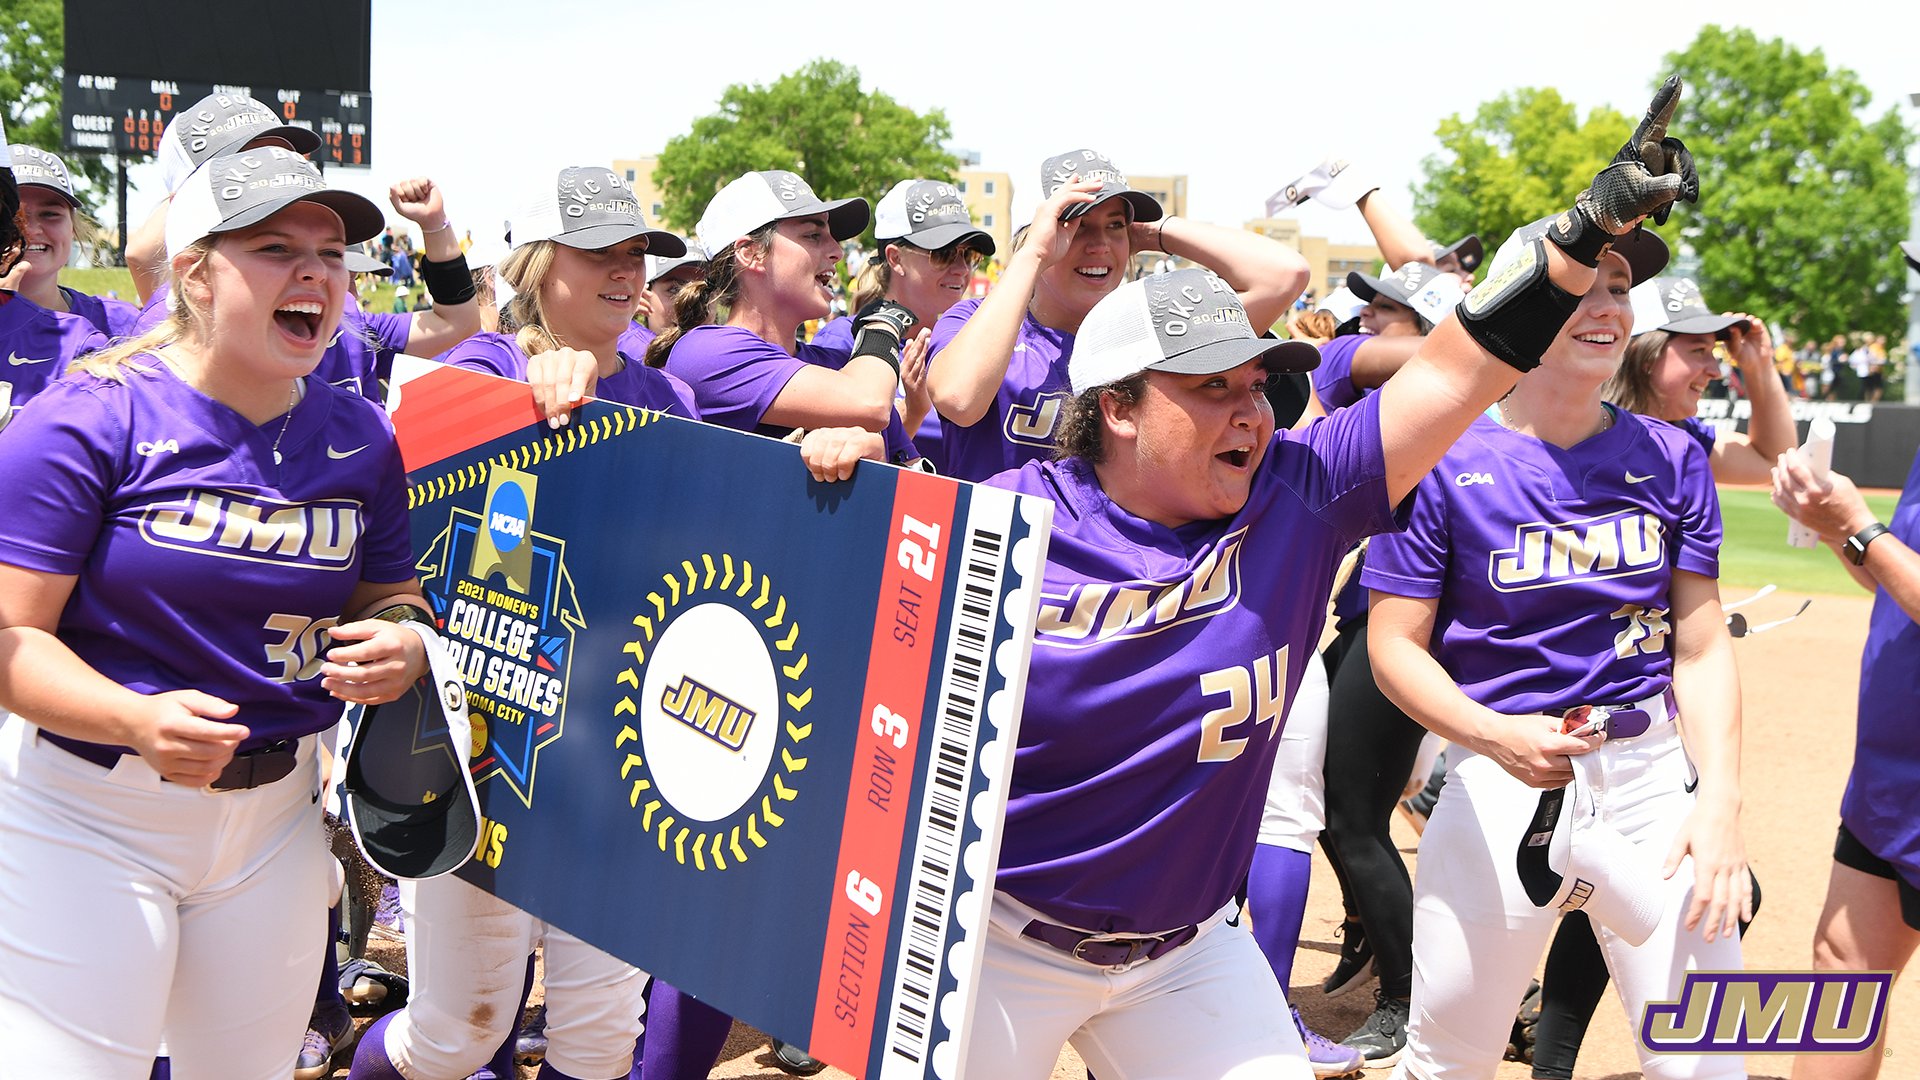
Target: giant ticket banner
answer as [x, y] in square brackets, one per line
[747, 731]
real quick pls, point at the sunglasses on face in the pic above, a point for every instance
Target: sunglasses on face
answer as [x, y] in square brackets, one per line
[944, 258]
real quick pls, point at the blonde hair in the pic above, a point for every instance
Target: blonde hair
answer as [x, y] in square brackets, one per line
[873, 282]
[526, 268]
[1631, 384]
[184, 321]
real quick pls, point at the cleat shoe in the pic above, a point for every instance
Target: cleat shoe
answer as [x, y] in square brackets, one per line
[1520, 1041]
[530, 1046]
[1328, 1058]
[326, 1038]
[367, 985]
[794, 1060]
[1383, 1037]
[1356, 960]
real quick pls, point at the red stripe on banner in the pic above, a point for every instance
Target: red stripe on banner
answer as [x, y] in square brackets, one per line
[853, 977]
[449, 410]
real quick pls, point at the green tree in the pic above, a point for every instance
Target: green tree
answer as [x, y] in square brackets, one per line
[1520, 157]
[818, 122]
[1803, 197]
[33, 37]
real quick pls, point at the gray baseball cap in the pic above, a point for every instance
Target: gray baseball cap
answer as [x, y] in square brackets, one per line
[660, 266]
[221, 124]
[1093, 165]
[233, 191]
[1430, 293]
[1466, 251]
[360, 262]
[1674, 304]
[1188, 322]
[928, 214]
[589, 207]
[38, 168]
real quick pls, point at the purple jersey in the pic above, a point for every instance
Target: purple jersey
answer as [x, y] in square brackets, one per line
[1018, 426]
[1162, 665]
[361, 353]
[737, 375]
[1333, 379]
[200, 563]
[39, 344]
[836, 336]
[634, 341]
[1552, 566]
[635, 384]
[153, 311]
[1880, 807]
[1701, 431]
[114, 318]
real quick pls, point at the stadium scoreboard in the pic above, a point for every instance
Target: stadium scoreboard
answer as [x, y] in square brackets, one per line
[121, 115]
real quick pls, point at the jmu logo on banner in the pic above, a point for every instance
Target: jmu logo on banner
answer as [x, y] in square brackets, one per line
[1777, 1012]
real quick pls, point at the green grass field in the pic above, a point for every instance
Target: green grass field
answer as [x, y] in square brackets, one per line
[1755, 550]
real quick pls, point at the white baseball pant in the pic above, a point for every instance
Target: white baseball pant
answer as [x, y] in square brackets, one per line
[467, 958]
[130, 906]
[1477, 938]
[1209, 1010]
[1297, 794]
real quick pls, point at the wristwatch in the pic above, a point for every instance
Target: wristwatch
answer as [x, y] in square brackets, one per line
[1856, 546]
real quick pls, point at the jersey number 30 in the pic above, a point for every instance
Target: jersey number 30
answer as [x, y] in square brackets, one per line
[1255, 692]
[301, 648]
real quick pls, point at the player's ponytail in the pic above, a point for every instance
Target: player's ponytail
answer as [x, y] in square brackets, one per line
[707, 298]
[872, 282]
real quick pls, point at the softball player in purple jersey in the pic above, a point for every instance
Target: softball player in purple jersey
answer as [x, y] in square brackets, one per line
[1563, 554]
[576, 270]
[997, 369]
[39, 344]
[51, 212]
[189, 589]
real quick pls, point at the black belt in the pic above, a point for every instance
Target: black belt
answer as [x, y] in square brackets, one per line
[258, 767]
[1109, 950]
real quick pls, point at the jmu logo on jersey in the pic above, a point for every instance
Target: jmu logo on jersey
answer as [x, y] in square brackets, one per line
[1776, 1012]
[1095, 613]
[1032, 422]
[1593, 549]
[320, 535]
[708, 711]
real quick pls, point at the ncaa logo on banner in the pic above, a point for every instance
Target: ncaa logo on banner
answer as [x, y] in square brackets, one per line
[1770, 1012]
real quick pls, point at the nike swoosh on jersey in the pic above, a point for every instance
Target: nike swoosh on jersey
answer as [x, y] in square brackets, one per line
[1632, 479]
[342, 455]
[14, 359]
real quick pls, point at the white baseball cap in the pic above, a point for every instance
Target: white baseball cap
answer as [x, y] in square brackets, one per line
[1188, 322]
[588, 207]
[761, 198]
[233, 191]
[928, 214]
[1431, 294]
[1589, 866]
[220, 124]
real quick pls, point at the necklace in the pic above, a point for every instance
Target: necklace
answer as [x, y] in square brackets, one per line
[1506, 421]
[293, 400]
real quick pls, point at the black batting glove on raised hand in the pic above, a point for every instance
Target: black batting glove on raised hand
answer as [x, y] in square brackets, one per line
[1649, 174]
[880, 328]
[1662, 154]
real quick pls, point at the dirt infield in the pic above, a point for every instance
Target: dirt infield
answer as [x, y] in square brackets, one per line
[1799, 684]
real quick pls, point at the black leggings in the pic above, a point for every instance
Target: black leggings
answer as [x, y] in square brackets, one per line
[1571, 986]
[1371, 746]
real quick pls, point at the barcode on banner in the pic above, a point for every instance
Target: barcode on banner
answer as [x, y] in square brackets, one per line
[944, 807]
